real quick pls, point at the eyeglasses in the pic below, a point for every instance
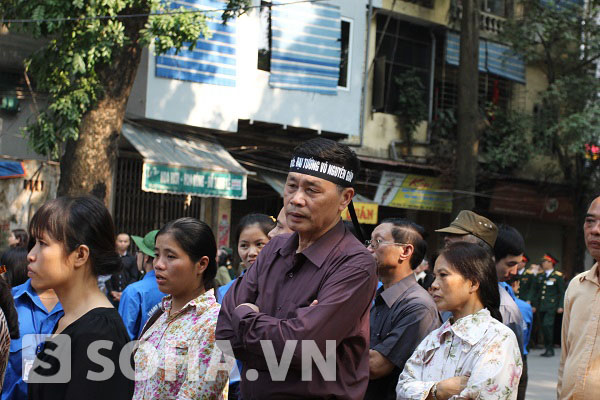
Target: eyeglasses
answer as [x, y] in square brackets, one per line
[375, 243]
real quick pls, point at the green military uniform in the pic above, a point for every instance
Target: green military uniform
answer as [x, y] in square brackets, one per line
[527, 285]
[550, 297]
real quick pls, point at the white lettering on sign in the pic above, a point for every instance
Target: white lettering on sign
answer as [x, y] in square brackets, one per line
[164, 177]
[221, 183]
[199, 180]
[188, 179]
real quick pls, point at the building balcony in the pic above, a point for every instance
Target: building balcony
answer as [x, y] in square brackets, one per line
[489, 24]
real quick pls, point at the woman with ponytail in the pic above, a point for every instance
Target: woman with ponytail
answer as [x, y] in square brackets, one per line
[74, 243]
[472, 355]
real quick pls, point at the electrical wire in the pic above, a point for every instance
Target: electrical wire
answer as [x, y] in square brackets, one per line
[462, 193]
[143, 15]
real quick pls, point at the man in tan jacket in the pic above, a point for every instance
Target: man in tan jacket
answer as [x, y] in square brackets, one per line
[579, 371]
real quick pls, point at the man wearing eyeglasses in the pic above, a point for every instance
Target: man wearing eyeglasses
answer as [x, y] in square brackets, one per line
[403, 313]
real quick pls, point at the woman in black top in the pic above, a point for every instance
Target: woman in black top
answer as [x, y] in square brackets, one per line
[74, 243]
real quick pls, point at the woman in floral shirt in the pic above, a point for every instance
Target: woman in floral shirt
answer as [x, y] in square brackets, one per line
[177, 357]
[473, 355]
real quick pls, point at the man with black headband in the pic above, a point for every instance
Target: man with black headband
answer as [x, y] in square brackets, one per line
[308, 290]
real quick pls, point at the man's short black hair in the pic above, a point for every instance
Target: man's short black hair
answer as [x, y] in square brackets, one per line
[407, 231]
[331, 151]
[508, 242]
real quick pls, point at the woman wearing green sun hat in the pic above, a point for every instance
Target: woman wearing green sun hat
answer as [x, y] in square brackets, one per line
[140, 299]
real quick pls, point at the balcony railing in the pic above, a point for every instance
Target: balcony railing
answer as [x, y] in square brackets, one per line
[488, 22]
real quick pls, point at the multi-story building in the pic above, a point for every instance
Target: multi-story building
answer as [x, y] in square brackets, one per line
[288, 71]
[215, 124]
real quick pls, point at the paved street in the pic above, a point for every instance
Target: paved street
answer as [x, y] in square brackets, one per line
[543, 374]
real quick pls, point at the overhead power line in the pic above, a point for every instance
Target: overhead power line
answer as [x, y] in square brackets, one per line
[143, 15]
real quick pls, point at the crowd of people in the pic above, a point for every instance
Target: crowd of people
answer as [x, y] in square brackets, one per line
[309, 312]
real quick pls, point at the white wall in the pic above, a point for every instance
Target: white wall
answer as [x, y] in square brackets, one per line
[220, 107]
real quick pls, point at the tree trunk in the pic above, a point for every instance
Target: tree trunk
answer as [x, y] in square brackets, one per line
[88, 163]
[468, 109]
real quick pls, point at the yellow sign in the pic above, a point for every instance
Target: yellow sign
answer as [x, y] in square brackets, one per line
[366, 213]
[414, 192]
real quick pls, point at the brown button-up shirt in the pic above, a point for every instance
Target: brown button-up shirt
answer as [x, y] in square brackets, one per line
[579, 371]
[339, 272]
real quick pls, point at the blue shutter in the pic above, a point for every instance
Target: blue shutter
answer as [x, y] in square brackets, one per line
[213, 60]
[453, 50]
[306, 46]
[11, 169]
[502, 61]
[495, 58]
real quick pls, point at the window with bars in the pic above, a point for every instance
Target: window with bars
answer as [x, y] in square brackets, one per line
[400, 47]
[492, 90]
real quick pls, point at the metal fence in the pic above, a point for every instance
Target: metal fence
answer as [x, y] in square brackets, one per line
[137, 212]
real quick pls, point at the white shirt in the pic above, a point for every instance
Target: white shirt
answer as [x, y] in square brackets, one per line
[477, 345]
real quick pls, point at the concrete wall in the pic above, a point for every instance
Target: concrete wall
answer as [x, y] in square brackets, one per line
[21, 197]
[12, 141]
[220, 107]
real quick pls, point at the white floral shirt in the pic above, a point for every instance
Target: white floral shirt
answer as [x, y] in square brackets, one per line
[476, 345]
[177, 357]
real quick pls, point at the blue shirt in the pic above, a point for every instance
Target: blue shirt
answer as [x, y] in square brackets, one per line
[33, 319]
[221, 290]
[234, 375]
[138, 301]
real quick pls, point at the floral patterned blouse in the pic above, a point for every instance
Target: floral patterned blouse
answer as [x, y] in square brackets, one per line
[177, 357]
[4, 346]
[476, 345]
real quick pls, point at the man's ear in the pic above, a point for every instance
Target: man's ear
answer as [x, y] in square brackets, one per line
[347, 195]
[80, 255]
[406, 252]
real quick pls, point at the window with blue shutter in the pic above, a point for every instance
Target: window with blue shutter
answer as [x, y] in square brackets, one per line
[305, 46]
[213, 60]
[494, 58]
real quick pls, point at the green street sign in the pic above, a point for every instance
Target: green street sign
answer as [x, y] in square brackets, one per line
[159, 178]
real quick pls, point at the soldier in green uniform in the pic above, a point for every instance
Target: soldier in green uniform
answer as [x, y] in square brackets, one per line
[526, 280]
[551, 291]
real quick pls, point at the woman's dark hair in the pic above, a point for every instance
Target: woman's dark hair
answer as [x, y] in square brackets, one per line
[265, 223]
[75, 221]
[406, 231]
[7, 303]
[509, 242]
[15, 261]
[197, 240]
[476, 264]
[22, 237]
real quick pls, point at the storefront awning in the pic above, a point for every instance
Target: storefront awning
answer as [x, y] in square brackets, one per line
[11, 169]
[185, 165]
